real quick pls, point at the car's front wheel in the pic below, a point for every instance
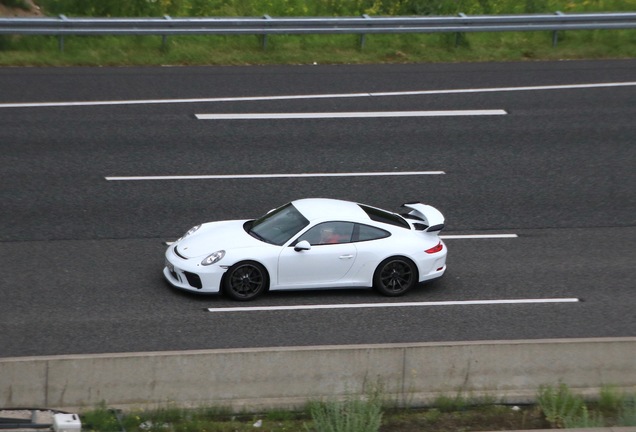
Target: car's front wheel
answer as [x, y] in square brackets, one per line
[395, 276]
[245, 281]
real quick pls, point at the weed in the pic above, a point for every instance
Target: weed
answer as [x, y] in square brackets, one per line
[449, 404]
[610, 401]
[559, 405]
[348, 416]
[628, 412]
[433, 415]
[351, 415]
[585, 419]
[100, 419]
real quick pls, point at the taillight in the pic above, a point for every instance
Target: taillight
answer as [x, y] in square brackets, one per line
[435, 249]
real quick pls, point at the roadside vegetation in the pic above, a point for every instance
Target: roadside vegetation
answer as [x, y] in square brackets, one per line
[320, 49]
[557, 407]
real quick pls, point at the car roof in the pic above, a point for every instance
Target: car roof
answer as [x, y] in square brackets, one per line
[328, 208]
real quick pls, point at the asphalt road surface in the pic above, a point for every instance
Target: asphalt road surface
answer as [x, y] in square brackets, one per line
[544, 152]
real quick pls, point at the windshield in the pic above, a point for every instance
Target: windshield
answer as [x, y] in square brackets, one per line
[278, 226]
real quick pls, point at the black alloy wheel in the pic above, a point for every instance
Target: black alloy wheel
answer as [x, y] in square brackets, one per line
[395, 276]
[245, 281]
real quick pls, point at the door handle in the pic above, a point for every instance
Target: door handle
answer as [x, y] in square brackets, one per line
[346, 256]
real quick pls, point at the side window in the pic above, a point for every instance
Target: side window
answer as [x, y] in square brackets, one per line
[329, 233]
[366, 232]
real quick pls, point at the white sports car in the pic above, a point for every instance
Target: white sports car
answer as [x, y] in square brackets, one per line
[310, 244]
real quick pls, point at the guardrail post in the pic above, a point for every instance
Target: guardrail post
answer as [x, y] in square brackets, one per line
[555, 34]
[164, 38]
[60, 38]
[363, 36]
[459, 36]
[264, 36]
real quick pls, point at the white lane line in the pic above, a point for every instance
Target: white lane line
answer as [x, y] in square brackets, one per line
[332, 115]
[260, 176]
[478, 236]
[393, 305]
[310, 96]
[508, 89]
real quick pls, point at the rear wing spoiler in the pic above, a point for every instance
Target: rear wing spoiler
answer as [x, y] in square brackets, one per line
[424, 217]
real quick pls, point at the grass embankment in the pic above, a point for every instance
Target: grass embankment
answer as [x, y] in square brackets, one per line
[321, 49]
[557, 407]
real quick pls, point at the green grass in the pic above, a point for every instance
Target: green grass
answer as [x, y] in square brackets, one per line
[274, 8]
[310, 49]
[16, 50]
[313, 49]
[557, 407]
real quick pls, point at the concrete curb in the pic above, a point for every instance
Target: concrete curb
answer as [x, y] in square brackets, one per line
[288, 377]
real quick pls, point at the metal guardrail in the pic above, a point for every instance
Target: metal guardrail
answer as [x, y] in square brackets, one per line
[62, 25]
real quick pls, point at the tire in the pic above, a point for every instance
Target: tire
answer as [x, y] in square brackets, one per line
[245, 281]
[395, 276]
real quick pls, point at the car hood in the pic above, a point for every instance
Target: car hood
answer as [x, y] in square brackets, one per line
[214, 236]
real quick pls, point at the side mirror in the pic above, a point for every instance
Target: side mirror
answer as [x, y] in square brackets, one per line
[302, 246]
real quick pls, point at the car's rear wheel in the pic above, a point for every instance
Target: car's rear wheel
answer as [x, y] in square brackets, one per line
[245, 281]
[395, 276]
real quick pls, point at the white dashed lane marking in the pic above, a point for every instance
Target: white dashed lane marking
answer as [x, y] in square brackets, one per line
[286, 175]
[394, 305]
[477, 236]
[337, 115]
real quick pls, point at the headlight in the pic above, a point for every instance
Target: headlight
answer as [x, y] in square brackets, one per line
[212, 258]
[190, 231]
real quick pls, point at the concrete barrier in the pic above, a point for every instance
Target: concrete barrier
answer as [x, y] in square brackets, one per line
[261, 378]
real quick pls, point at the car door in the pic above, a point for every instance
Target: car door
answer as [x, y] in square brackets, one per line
[325, 263]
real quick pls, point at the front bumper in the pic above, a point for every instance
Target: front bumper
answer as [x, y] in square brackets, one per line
[190, 275]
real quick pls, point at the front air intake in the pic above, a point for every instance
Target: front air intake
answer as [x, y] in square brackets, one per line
[193, 279]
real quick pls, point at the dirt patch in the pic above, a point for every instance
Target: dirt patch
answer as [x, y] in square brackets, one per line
[33, 10]
[487, 418]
